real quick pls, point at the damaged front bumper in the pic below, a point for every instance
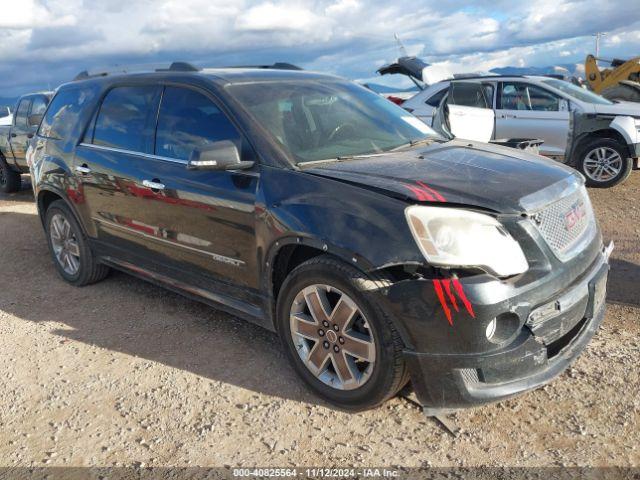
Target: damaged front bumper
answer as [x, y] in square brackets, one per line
[549, 331]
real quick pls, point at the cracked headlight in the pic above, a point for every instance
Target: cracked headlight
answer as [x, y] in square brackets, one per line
[450, 237]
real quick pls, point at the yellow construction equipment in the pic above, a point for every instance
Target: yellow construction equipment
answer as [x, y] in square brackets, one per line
[620, 82]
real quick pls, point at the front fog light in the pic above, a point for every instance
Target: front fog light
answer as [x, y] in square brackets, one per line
[503, 327]
[491, 329]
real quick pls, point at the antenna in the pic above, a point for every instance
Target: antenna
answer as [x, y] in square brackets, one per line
[598, 35]
[403, 50]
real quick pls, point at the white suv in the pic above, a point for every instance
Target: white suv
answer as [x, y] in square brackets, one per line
[598, 137]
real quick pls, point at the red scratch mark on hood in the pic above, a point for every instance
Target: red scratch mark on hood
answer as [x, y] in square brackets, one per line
[421, 194]
[447, 312]
[460, 291]
[433, 191]
[425, 193]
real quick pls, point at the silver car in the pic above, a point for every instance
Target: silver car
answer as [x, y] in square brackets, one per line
[598, 137]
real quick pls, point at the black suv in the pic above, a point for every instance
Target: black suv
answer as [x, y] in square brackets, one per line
[379, 252]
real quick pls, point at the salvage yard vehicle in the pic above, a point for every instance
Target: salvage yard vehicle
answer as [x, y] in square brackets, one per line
[600, 138]
[377, 250]
[15, 138]
[5, 115]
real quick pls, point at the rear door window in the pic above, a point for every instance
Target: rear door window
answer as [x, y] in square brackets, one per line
[187, 121]
[126, 119]
[39, 105]
[468, 94]
[22, 112]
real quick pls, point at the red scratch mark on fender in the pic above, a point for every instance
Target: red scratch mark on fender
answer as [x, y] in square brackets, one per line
[438, 288]
[460, 291]
[433, 191]
[452, 298]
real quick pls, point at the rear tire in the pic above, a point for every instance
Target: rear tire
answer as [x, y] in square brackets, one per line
[10, 180]
[604, 162]
[69, 247]
[373, 376]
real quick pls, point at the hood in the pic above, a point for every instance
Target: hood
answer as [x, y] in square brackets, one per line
[500, 179]
[623, 108]
[409, 66]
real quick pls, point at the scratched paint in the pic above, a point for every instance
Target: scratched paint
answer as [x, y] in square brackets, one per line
[447, 297]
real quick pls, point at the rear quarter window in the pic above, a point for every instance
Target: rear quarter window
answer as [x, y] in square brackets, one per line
[434, 100]
[62, 114]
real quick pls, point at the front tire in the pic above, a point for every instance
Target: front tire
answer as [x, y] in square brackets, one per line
[604, 162]
[339, 341]
[10, 180]
[69, 247]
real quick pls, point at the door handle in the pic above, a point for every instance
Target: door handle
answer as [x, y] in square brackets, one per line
[153, 185]
[84, 170]
[29, 135]
[14, 135]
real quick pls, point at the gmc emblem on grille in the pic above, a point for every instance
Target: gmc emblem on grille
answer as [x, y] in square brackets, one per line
[574, 215]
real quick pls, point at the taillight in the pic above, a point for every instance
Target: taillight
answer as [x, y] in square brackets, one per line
[396, 100]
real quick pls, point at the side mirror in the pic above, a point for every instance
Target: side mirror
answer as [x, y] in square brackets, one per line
[222, 155]
[563, 105]
[34, 120]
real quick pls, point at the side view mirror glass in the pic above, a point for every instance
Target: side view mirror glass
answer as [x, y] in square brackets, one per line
[222, 155]
[34, 120]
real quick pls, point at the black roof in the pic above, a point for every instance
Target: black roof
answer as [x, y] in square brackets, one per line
[248, 73]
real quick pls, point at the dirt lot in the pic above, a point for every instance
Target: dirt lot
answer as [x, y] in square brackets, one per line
[125, 373]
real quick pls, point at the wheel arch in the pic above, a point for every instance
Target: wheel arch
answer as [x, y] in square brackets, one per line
[605, 133]
[290, 252]
[47, 196]
[287, 253]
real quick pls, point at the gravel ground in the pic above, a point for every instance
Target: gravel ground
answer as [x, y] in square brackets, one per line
[125, 373]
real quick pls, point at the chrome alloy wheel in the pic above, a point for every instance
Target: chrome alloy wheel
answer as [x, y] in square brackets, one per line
[602, 164]
[332, 337]
[65, 244]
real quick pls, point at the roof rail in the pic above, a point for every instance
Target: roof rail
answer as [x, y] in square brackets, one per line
[103, 72]
[274, 66]
[179, 67]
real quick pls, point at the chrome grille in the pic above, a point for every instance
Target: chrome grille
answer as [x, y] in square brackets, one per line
[566, 223]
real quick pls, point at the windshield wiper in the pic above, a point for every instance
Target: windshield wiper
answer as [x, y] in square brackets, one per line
[340, 158]
[415, 143]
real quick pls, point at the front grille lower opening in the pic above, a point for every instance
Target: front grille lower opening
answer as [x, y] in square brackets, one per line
[555, 347]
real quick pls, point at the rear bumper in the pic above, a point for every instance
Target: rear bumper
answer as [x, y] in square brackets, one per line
[539, 352]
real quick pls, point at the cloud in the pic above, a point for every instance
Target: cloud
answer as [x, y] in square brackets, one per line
[50, 40]
[27, 14]
[269, 17]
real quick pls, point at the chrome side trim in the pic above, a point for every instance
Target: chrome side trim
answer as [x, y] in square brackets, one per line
[214, 256]
[131, 152]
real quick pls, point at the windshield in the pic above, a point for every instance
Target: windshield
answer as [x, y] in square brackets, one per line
[315, 120]
[576, 92]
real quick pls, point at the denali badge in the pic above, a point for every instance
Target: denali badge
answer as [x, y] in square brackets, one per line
[574, 215]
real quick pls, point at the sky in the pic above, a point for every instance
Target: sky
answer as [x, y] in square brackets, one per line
[44, 43]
